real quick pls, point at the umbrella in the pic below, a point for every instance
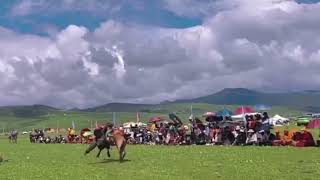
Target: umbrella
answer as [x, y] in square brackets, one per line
[155, 119]
[224, 112]
[208, 114]
[315, 123]
[243, 110]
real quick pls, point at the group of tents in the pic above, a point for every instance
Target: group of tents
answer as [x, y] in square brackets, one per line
[240, 113]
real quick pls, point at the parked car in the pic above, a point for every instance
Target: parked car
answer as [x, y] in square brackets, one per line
[303, 120]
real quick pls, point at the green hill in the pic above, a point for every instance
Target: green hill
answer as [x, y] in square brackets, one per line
[304, 100]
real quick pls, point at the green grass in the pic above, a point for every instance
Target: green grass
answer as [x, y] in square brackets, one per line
[65, 161]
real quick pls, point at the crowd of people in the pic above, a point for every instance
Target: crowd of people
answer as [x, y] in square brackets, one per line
[38, 136]
[217, 131]
[214, 130]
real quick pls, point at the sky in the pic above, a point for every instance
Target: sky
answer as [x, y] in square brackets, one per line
[80, 53]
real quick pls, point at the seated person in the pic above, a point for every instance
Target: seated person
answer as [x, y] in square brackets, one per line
[284, 140]
[240, 136]
[306, 139]
[252, 138]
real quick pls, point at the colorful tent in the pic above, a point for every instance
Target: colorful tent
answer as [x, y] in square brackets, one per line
[315, 123]
[244, 109]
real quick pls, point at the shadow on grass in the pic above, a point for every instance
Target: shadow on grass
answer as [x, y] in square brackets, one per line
[105, 161]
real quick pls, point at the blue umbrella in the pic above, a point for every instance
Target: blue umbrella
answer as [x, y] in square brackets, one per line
[224, 112]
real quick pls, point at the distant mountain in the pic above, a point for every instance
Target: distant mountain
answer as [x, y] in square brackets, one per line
[120, 107]
[308, 100]
[305, 100]
[26, 111]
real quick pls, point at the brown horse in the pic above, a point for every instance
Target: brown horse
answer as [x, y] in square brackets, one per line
[119, 141]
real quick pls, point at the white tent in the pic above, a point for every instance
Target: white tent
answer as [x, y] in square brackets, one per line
[278, 120]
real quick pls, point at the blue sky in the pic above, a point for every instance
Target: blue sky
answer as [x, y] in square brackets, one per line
[33, 23]
[155, 15]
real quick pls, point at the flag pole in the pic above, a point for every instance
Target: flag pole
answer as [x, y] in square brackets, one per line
[191, 111]
[114, 118]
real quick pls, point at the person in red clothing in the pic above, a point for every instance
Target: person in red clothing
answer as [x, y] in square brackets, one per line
[306, 139]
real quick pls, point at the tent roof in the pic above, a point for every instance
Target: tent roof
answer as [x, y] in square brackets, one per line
[244, 109]
[278, 117]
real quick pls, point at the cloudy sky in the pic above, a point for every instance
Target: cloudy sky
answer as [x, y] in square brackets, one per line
[81, 53]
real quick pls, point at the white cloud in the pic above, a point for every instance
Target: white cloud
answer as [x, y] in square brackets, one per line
[267, 45]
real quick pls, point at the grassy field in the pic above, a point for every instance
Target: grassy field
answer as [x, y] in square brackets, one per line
[64, 161]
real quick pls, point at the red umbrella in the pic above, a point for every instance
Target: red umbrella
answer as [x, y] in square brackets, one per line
[244, 109]
[315, 123]
[155, 119]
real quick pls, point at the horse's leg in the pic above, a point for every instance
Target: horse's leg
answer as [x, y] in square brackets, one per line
[121, 144]
[123, 149]
[99, 153]
[91, 147]
[108, 153]
[108, 147]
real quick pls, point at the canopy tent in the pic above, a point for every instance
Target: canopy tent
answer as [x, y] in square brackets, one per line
[224, 112]
[244, 109]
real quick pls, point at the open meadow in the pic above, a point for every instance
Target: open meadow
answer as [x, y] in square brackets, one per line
[66, 161]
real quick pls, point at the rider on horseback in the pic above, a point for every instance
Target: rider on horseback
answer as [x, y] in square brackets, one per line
[108, 130]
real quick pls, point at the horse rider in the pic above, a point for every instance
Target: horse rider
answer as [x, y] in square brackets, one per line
[102, 138]
[108, 131]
